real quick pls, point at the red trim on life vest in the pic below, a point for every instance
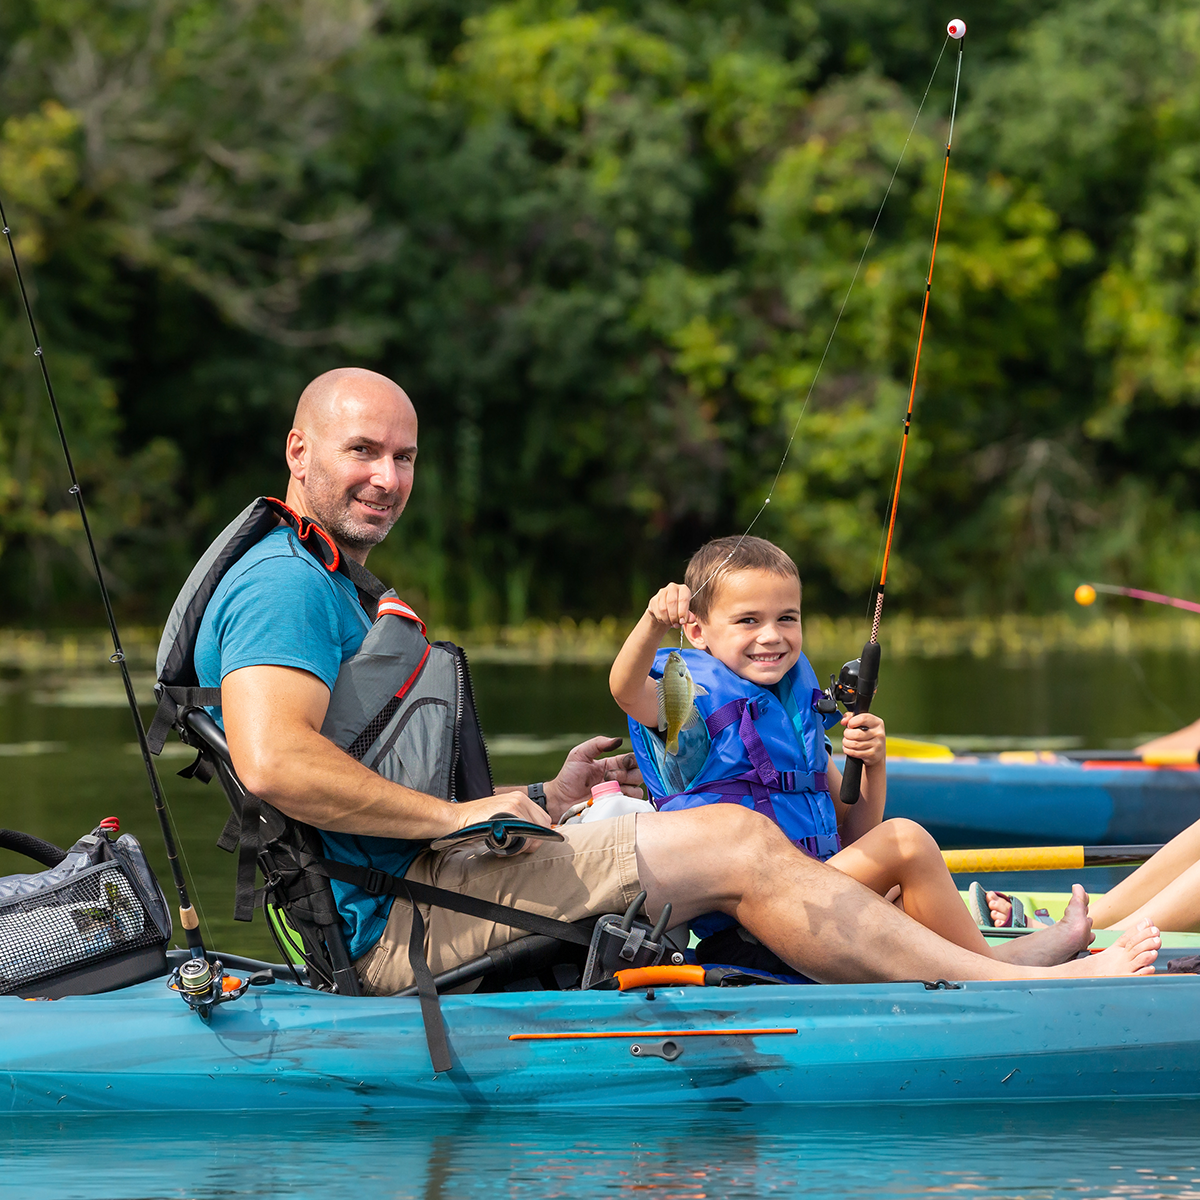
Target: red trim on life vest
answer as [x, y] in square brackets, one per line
[391, 606]
[413, 677]
[304, 528]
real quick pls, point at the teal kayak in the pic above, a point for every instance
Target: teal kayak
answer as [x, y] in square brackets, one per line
[284, 1047]
[1031, 799]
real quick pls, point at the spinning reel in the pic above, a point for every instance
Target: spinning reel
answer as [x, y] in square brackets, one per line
[844, 689]
[204, 985]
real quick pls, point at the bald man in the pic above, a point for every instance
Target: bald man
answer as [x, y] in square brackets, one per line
[274, 637]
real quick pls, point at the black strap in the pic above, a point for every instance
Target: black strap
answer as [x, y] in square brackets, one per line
[427, 993]
[379, 883]
[249, 840]
[172, 702]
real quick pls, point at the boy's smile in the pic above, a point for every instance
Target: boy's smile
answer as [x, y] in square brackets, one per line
[753, 625]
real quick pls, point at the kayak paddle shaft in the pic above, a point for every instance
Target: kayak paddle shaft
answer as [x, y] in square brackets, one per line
[1044, 858]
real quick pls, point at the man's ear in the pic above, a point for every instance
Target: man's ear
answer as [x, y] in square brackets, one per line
[694, 632]
[296, 454]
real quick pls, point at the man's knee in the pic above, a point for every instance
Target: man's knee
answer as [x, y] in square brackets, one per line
[726, 842]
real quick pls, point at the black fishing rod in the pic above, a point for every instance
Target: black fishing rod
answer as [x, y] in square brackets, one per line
[187, 914]
[868, 666]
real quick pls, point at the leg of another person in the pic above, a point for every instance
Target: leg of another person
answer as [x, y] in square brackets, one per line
[1131, 895]
[822, 922]
[902, 852]
[1178, 903]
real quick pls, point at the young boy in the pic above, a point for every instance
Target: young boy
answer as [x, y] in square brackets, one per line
[760, 742]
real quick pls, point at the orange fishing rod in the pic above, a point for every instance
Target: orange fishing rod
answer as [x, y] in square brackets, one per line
[868, 669]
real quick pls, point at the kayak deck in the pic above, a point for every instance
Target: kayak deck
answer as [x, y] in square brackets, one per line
[284, 1047]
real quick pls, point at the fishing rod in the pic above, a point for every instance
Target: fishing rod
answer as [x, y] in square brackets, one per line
[1085, 594]
[187, 914]
[868, 666]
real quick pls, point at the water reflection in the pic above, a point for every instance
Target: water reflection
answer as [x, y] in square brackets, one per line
[1082, 1151]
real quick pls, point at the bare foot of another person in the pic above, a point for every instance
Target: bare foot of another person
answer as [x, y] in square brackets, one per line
[1133, 953]
[1055, 944]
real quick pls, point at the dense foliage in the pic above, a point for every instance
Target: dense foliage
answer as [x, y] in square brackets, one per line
[603, 246]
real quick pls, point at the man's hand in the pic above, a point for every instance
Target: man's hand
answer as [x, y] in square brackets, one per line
[517, 804]
[583, 770]
[865, 738]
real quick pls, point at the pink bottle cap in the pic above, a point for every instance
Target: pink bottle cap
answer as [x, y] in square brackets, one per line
[610, 787]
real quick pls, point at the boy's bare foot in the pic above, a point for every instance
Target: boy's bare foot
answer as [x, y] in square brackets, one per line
[1133, 953]
[1055, 944]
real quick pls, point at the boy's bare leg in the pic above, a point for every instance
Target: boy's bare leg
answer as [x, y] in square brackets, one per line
[726, 858]
[902, 852]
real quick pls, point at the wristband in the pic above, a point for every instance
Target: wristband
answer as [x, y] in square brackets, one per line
[537, 793]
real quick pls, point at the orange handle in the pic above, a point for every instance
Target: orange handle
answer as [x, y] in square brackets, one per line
[636, 977]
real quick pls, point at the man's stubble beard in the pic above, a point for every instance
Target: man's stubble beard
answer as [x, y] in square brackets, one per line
[329, 504]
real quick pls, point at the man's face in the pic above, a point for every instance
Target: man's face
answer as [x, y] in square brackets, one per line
[356, 464]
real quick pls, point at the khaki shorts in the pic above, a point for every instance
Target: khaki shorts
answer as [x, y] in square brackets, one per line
[593, 871]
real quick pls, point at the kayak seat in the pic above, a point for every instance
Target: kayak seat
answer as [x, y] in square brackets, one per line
[302, 915]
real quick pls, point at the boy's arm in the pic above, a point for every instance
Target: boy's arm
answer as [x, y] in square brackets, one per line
[865, 738]
[629, 680]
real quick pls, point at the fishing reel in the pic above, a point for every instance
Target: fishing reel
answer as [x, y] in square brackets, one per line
[204, 985]
[844, 688]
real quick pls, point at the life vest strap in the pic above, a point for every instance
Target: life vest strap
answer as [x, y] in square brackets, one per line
[744, 713]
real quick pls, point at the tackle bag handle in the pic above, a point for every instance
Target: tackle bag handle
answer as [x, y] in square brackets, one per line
[46, 853]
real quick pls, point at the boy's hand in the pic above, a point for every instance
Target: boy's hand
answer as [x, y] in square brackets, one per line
[669, 605]
[865, 738]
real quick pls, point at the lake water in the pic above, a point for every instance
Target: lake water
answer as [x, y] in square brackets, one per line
[1035, 1152]
[67, 760]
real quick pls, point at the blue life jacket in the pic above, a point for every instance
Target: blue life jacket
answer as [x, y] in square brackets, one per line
[759, 747]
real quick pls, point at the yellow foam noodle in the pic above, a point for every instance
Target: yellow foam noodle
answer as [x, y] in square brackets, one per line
[1015, 858]
[898, 747]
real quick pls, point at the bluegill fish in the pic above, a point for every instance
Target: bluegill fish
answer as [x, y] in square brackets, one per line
[677, 692]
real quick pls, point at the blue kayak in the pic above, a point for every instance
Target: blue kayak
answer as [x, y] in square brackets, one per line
[985, 800]
[285, 1047]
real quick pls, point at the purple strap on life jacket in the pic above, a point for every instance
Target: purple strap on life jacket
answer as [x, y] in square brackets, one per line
[746, 713]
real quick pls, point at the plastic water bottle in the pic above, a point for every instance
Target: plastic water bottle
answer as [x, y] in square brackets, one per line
[609, 801]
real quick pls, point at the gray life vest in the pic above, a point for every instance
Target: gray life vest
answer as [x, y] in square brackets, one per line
[401, 706]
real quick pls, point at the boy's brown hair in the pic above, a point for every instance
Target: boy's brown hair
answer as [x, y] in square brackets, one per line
[721, 557]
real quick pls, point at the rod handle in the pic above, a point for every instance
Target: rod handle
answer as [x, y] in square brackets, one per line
[868, 677]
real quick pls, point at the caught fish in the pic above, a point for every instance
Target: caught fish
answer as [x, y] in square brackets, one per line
[677, 692]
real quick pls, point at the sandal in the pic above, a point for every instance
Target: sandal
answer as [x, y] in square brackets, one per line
[977, 903]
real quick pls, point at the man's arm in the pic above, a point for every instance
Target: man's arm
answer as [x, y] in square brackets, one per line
[273, 718]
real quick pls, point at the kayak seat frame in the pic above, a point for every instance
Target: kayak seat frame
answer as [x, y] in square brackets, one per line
[287, 853]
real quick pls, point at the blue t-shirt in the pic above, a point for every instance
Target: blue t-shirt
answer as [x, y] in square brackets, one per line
[277, 606]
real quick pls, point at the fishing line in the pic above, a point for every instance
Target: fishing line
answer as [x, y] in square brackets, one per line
[187, 914]
[837, 321]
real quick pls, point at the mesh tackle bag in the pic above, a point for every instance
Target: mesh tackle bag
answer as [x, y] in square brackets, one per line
[95, 920]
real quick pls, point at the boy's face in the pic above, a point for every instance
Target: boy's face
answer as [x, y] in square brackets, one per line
[753, 625]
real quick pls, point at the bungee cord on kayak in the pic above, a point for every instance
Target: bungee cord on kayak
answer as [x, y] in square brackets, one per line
[187, 913]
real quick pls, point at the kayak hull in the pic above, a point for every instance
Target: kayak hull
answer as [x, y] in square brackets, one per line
[287, 1048]
[969, 802]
